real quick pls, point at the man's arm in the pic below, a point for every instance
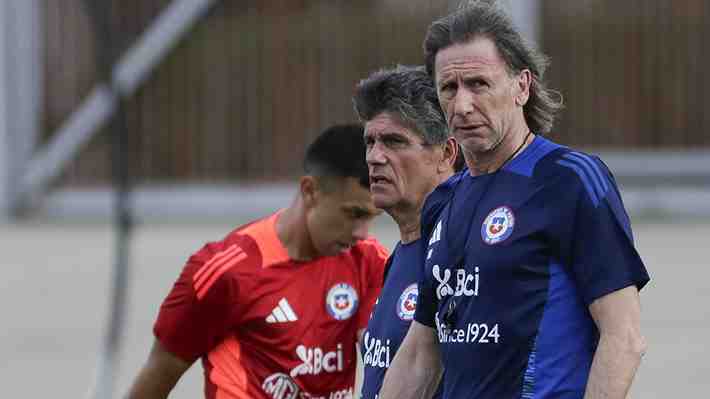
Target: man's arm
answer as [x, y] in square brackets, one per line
[621, 346]
[416, 369]
[159, 375]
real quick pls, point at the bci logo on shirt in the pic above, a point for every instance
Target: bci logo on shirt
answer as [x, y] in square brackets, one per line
[315, 361]
[466, 283]
[377, 353]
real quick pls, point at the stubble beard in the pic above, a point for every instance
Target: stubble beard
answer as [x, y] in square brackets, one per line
[475, 159]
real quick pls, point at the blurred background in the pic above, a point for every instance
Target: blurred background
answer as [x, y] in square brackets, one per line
[217, 101]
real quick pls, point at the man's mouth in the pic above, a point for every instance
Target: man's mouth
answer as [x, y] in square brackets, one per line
[468, 128]
[379, 179]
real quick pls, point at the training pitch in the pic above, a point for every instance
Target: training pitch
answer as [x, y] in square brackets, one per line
[56, 282]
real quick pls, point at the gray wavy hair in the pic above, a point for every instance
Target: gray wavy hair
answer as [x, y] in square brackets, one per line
[485, 18]
[406, 92]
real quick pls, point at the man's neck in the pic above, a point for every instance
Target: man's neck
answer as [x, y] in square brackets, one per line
[293, 233]
[409, 227]
[491, 161]
[408, 217]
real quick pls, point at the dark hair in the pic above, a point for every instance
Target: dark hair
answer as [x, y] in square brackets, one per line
[406, 92]
[339, 151]
[485, 19]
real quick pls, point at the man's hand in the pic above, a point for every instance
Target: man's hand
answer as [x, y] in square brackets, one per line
[621, 346]
[159, 375]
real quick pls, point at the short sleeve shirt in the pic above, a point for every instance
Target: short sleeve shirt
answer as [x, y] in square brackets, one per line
[266, 326]
[392, 316]
[514, 259]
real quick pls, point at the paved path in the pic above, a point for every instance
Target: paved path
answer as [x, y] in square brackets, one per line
[54, 297]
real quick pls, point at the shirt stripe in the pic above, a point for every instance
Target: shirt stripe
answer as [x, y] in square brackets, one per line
[217, 258]
[214, 265]
[585, 180]
[590, 166]
[217, 274]
[290, 314]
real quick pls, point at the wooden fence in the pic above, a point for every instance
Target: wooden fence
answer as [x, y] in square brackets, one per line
[242, 96]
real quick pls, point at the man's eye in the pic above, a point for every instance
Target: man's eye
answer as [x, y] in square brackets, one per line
[477, 83]
[390, 141]
[447, 87]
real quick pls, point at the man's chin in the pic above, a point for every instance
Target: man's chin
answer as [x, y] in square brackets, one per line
[383, 202]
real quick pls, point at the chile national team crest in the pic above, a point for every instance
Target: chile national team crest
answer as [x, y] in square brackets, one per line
[407, 303]
[341, 301]
[498, 225]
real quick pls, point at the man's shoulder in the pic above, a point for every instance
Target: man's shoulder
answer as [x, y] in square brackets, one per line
[571, 170]
[538, 160]
[370, 250]
[236, 253]
[257, 230]
[403, 256]
[238, 243]
[437, 200]
[260, 240]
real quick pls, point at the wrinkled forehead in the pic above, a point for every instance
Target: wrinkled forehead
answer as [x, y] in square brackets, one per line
[479, 55]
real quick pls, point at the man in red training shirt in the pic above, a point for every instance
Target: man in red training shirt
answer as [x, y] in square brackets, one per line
[274, 309]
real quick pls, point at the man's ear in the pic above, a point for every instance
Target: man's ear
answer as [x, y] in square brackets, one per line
[449, 154]
[309, 190]
[522, 87]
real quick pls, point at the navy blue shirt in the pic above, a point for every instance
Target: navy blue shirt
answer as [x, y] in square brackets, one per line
[513, 260]
[392, 315]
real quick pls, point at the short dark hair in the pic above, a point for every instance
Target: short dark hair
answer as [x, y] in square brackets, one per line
[339, 151]
[486, 19]
[406, 92]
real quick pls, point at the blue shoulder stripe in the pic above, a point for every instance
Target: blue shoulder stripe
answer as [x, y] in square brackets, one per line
[585, 179]
[593, 168]
[595, 181]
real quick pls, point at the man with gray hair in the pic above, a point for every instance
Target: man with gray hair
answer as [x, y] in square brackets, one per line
[531, 279]
[408, 153]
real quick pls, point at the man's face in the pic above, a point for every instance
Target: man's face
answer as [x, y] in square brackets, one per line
[402, 168]
[478, 95]
[339, 216]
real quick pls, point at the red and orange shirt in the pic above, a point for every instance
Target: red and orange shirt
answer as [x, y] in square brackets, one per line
[266, 326]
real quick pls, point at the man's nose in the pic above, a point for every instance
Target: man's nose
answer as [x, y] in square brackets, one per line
[375, 155]
[463, 102]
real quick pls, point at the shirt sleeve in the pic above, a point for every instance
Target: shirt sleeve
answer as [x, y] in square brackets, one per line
[427, 303]
[599, 245]
[375, 260]
[425, 312]
[200, 309]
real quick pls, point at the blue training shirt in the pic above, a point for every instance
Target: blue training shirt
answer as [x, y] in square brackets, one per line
[513, 260]
[392, 315]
